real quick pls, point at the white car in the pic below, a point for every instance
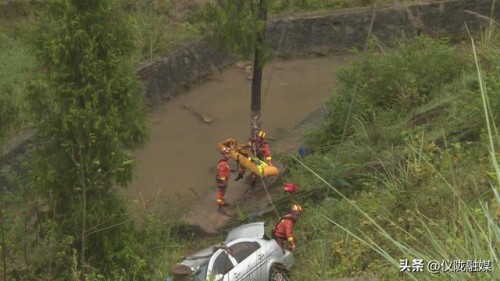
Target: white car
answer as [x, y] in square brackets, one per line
[246, 255]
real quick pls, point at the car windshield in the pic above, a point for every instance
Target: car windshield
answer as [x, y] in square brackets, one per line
[201, 273]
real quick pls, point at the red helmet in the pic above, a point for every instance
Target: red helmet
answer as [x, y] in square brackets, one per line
[297, 209]
[290, 187]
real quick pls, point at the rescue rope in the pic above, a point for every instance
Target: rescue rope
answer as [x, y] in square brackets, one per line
[270, 199]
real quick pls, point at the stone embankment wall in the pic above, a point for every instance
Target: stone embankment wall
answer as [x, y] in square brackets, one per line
[175, 73]
[320, 34]
[333, 32]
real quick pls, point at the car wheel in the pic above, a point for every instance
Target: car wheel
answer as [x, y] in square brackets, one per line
[278, 273]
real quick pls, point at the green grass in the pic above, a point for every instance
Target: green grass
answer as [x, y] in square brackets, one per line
[294, 6]
[15, 72]
[158, 27]
[434, 194]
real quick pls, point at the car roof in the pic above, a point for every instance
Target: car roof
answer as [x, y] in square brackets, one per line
[250, 230]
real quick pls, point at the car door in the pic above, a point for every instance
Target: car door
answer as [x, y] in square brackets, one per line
[220, 265]
[251, 260]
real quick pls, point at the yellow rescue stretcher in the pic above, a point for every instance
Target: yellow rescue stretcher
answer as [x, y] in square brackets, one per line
[248, 159]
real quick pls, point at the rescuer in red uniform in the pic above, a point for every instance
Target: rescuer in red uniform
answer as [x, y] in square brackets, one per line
[261, 148]
[283, 231]
[222, 178]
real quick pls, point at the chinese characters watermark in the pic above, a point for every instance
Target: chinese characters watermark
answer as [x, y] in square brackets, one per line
[435, 266]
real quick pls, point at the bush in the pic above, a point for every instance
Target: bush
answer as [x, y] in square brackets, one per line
[435, 196]
[403, 78]
[382, 88]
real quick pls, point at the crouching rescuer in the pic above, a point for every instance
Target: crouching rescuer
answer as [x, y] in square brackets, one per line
[284, 228]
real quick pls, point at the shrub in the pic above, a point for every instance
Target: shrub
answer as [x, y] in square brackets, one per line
[383, 85]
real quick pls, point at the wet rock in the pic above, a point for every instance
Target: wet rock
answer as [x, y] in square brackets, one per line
[240, 64]
[205, 117]
[248, 68]
[243, 64]
[187, 106]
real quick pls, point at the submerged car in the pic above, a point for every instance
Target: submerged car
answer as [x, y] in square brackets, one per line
[247, 254]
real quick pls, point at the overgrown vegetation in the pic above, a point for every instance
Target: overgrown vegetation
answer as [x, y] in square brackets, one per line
[15, 69]
[408, 165]
[89, 114]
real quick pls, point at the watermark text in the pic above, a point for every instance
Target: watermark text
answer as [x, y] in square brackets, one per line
[443, 266]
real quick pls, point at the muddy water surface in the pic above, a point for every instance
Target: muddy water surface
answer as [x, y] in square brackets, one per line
[180, 159]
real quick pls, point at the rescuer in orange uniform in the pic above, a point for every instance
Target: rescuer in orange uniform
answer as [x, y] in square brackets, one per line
[261, 149]
[284, 228]
[222, 178]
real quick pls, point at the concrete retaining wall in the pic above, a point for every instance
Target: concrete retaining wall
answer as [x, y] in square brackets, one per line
[323, 34]
[174, 74]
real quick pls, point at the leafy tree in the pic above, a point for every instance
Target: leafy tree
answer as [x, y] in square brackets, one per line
[240, 26]
[90, 115]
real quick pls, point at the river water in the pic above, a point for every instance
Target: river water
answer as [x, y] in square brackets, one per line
[178, 163]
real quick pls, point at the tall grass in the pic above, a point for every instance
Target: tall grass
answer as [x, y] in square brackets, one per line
[280, 6]
[436, 199]
[160, 26]
[15, 72]
[395, 221]
[432, 195]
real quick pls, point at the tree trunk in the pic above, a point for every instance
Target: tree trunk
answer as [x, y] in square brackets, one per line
[258, 67]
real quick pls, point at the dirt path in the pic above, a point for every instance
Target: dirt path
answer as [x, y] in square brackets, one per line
[176, 168]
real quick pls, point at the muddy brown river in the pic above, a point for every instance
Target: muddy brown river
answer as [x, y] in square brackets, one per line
[178, 163]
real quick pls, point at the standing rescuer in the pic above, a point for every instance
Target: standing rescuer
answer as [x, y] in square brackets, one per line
[261, 149]
[284, 228]
[222, 178]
